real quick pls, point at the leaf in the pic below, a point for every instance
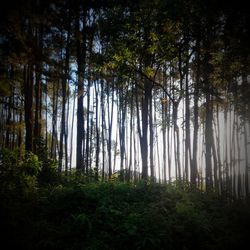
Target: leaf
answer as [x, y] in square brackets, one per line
[149, 72]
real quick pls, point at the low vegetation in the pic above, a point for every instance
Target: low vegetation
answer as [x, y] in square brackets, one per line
[70, 213]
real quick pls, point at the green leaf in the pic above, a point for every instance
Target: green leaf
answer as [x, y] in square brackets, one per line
[149, 72]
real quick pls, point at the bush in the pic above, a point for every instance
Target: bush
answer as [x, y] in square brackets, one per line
[18, 173]
[48, 173]
[115, 215]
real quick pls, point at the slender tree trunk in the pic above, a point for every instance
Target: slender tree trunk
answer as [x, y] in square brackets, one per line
[38, 92]
[91, 145]
[208, 119]
[136, 164]
[122, 132]
[195, 137]
[169, 135]
[164, 145]
[62, 125]
[208, 141]
[226, 150]
[157, 158]
[215, 163]
[103, 129]
[110, 126]
[72, 128]
[8, 121]
[231, 149]
[239, 158]
[46, 116]
[218, 143]
[81, 54]
[187, 132]
[176, 142]
[37, 121]
[246, 160]
[87, 138]
[151, 138]
[145, 121]
[20, 130]
[97, 133]
[28, 107]
[115, 149]
[245, 86]
[138, 122]
[131, 137]
[66, 160]
[65, 92]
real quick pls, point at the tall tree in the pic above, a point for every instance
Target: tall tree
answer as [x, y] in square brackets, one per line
[80, 34]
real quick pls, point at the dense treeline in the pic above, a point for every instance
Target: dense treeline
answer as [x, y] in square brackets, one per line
[154, 90]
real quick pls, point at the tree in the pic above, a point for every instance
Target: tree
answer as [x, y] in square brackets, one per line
[80, 34]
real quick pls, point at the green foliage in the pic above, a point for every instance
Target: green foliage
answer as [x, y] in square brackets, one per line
[48, 173]
[114, 215]
[21, 172]
[149, 72]
[31, 164]
[110, 215]
[18, 173]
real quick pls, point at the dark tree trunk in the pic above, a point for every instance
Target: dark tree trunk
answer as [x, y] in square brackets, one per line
[151, 138]
[103, 129]
[81, 58]
[54, 120]
[208, 141]
[144, 139]
[37, 121]
[110, 125]
[193, 169]
[28, 107]
[187, 132]
[87, 139]
[122, 119]
[97, 133]
[164, 126]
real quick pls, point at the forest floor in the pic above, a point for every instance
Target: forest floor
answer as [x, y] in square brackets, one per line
[122, 216]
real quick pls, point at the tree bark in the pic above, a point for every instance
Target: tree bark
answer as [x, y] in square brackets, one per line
[28, 107]
[81, 57]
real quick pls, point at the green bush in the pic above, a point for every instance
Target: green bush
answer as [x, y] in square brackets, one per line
[49, 173]
[18, 173]
[114, 215]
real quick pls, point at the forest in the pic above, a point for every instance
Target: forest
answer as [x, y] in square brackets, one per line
[124, 124]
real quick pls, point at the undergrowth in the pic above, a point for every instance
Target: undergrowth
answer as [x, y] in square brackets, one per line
[41, 209]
